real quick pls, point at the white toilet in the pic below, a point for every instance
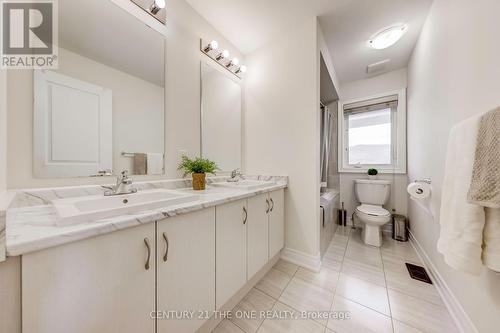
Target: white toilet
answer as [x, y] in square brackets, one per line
[372, 194]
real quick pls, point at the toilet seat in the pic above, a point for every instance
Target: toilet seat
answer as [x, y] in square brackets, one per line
[373, 213]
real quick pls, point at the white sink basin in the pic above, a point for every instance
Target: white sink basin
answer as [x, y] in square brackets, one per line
[245, 184]
[95, 207]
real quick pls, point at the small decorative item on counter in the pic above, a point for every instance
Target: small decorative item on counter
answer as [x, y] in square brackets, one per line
[372, 173]
[198, 168]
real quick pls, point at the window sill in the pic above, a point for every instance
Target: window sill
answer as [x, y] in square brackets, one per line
[365, 170]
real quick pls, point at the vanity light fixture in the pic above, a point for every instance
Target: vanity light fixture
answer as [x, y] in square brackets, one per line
[156, 6]
[242, 69]
[222, 58]
[213, 45]
[387, 37]
[234, 62]
[223, 55]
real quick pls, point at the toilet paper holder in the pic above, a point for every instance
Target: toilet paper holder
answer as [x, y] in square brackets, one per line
[425, 180]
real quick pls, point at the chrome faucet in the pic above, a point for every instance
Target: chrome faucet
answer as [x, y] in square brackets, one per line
[236, 176]
[123, 185]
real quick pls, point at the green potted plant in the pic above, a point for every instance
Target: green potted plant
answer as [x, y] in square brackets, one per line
[372, 173]
[198, 168]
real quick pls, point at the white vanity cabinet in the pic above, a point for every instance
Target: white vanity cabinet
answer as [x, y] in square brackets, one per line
[276, 222]
[101, 284]
[186, 270]
[230, 250]
[141, 279]
[257, 233]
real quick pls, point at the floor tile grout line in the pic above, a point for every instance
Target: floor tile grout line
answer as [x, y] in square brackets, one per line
[363, 305]
[336, 284]
[236, 324]
[384, 268]
[277, 300]
[387, 291]
[325, 326]
[292, 306]
[416, 298]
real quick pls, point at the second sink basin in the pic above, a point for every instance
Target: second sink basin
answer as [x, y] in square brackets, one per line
[245, 184]
[95, 207]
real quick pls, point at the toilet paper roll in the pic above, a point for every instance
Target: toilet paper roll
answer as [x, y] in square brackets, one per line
[419, 190]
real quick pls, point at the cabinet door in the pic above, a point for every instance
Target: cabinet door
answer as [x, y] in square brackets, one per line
[230, 245]
[276, 222]
[257, 233]
[186, 269]
[99, 284]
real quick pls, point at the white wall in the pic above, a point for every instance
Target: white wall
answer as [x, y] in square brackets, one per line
[390, 81]
[375, 85]
[282, 126]
[183, 31]
[453, 74]
[3, 130]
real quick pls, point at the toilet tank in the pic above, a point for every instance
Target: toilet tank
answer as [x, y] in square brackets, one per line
[372, 192]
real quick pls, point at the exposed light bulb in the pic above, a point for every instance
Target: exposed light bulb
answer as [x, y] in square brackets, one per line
[387, 37]
[234, 62]
[213, 45]
[156, 6]
[223, 55]
[160, 3]
[242, 69]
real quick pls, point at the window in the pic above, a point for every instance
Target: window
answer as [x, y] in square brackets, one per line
[373, 134]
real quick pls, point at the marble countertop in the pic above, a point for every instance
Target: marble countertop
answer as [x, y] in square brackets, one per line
[31, 224]
[5, 201]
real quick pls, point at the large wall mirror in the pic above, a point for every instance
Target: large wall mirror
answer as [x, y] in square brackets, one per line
[102, 110]
[220, 117]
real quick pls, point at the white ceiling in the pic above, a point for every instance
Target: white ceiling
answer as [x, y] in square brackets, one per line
[346, 24]
[348, 28]
[250, 24]
[104, 32]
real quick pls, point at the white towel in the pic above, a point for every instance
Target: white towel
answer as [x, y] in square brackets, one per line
[155, 163]
[463, 223]
[491, 241]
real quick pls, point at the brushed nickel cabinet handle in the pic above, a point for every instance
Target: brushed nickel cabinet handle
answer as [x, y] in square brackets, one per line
[146, 241]
[165, 237]
[246, 215]
[272, 207]
[267, 206]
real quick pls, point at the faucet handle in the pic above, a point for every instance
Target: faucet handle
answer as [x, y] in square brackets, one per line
[235, 172]
[124, 175]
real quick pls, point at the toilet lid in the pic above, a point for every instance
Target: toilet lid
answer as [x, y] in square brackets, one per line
[373, 210]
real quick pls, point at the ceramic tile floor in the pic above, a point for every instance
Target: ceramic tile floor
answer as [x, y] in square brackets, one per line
[370, 284]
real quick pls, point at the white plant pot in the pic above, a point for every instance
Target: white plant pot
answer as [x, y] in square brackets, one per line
[372, 177]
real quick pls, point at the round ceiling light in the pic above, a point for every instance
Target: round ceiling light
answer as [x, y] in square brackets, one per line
[387, 37]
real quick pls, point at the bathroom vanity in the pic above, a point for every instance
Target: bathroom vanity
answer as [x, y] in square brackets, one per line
[186, 260]
[164, 259]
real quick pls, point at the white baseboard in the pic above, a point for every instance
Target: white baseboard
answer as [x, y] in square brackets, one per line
[302, 259]
[462, 320]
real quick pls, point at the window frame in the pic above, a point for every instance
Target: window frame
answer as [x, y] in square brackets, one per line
[398, 152]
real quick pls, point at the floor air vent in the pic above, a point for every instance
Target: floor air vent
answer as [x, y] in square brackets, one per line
[418, 273]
